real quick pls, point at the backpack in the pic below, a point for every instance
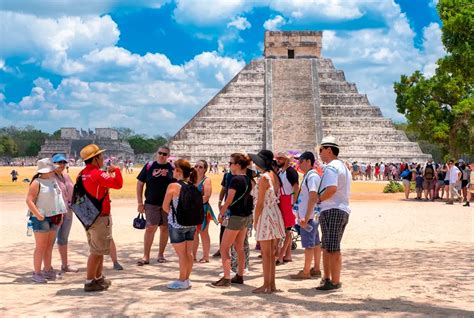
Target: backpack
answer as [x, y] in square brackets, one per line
[405, 173]
[190, 209]
[429, 172]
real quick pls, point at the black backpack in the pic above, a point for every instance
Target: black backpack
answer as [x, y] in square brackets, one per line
[190, 209]
[429, 172]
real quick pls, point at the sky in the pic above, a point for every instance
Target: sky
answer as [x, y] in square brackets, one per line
[150, 65]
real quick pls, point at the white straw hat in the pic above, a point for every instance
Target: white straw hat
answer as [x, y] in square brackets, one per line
[45, 165]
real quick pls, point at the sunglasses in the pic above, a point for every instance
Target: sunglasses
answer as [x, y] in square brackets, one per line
[199, 167]
[62, 162]
[163, 153]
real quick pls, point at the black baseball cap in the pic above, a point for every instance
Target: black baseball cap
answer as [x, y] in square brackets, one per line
[307, 155]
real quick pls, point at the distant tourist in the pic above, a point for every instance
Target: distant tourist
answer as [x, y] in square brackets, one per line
[455, 176]
[240, 204]
[46, 207]
[181, 236]
[67, 186]
[464, 179]
[305, 207]
[268, 222]
[334, 202]
[407, 177]
[377, 172]
[441, 174]
[289, 179]
[99, 236]
[204, 185]
[419, 185]
[155, 177]
[14, 175]
[470, 185]
[429, 176]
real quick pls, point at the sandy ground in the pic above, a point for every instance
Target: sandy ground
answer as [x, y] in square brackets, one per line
[400, 258]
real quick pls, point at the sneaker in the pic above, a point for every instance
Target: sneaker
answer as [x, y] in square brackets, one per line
[38, 278]
[104, 282]
[50, 275]
[178, 284]
[315, 273]
[237, 279]
[190, 284]
[328, 285]
[94, 286]
[466, 204]
[68, 269]
[221, 283]
[118, 267]
[301, 275]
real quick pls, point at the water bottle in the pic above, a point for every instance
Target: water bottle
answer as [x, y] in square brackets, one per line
[317, 213]
[29, 228]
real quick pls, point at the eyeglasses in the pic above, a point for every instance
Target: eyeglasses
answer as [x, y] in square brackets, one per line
[163, 153]
[199, 167]
[62, 162]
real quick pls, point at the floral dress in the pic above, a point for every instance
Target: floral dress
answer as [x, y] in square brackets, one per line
[270, 224]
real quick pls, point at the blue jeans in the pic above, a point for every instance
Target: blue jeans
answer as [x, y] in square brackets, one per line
[181, 235]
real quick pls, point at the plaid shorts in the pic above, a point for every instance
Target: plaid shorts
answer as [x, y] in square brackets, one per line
[332, 222]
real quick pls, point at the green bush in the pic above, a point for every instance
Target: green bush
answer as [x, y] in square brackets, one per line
[393, 187]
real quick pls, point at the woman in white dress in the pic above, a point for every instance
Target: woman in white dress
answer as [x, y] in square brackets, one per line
[268, 221]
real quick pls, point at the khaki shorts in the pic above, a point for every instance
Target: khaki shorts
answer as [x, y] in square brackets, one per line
[238, 223]
[99, 236]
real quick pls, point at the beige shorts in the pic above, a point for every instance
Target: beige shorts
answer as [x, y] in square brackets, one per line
[99, 236]
[238, 223]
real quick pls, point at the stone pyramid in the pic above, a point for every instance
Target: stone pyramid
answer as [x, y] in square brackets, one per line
[289, 100]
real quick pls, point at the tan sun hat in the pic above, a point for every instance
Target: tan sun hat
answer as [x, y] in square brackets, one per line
[282, 154]
[45, 165]
[90, 151]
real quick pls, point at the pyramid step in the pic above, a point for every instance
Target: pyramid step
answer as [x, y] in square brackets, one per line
[227, 135]
[331, 76]
[251, 77]
[344, 99]
[378, 147]
[325, 64]
[357, 111]
[238, 99]
[337, 87]
[356, 122]
[237, 111]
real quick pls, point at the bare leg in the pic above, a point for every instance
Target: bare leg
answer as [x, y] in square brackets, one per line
[336, 264]
[317, 258]
[41, 244]
[206, 243]
[148, 241]
[48, 255]
[326, 264]
[163, 240]
[190, 258]
[113, 251]
[180, 249]
[195, 244]
[93, 263]
[267, 259]
[228, 239]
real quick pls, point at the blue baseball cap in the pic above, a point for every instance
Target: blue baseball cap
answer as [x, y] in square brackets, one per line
[59, 157]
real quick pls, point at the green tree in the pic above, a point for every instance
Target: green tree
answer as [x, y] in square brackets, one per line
[440, 109]
[8, 146]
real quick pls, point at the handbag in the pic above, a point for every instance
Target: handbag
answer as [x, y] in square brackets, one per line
[139, 222]
[286, 208]
[85, 207]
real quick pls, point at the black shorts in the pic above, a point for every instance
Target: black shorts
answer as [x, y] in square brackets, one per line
[464, 183]
[446, 182]
[333, 223]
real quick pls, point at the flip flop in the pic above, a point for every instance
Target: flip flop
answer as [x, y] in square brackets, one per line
[161, 260]
[287, 260]
[202, 260]
[142, 262]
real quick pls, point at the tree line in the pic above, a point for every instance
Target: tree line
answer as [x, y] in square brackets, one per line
[27, 141]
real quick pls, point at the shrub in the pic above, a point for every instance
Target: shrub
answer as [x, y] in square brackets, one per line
[393, 187]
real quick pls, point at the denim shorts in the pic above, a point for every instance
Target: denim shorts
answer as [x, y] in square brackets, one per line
[43, 226]
[310, 239]
[182, 234]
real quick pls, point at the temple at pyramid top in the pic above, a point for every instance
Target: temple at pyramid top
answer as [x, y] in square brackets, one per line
[289, 100]
[293, 44]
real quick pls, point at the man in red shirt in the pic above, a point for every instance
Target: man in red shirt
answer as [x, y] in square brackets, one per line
[97, 183]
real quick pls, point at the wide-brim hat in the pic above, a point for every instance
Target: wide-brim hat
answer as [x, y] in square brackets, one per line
[45, 165]
[90, 151]
[329, 141]
[263, 159]
[283, 154]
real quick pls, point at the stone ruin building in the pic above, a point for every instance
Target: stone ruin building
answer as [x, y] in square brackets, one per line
[72, 141]
[289, 100]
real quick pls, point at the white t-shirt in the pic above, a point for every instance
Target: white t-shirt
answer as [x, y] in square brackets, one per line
[309, 184]
[336, 174]
[454, 175]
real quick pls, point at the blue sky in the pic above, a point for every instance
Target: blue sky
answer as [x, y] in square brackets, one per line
[150, 65]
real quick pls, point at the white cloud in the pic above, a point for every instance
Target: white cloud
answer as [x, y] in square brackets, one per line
[210, 12]
[319, 9]
[433, 3]
[56, 8]
[375, 58]
[275, 23]
[239, 23]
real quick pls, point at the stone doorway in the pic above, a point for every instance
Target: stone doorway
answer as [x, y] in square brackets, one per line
[291, 54]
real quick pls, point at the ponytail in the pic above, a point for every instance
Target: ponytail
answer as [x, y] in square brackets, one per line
[193, 176]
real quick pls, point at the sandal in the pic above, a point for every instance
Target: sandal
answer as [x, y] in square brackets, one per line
[161, 260]
[142, 262]
[202, 260]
